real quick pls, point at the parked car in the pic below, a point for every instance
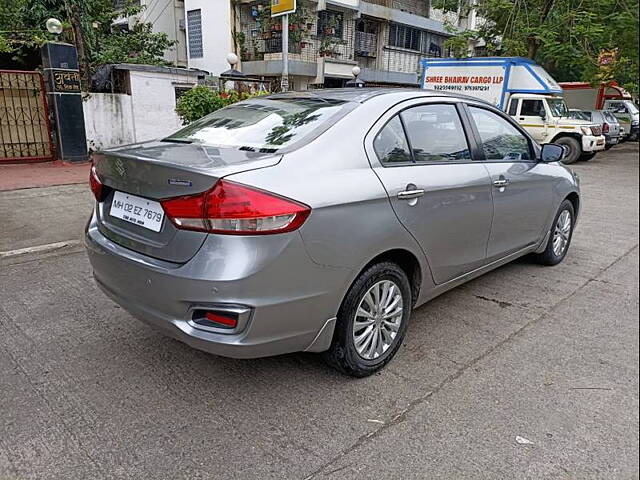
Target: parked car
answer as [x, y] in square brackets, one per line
[605, 96]
[610, 125]
[627, 114]
[316, 221]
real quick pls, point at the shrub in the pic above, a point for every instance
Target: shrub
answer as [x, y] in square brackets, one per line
[202, 100]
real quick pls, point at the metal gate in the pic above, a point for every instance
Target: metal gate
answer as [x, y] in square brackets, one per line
[25, 132]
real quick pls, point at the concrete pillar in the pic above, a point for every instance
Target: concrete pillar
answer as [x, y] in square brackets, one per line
[62, 80]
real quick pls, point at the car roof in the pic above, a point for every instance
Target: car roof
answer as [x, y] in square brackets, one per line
[361, 95]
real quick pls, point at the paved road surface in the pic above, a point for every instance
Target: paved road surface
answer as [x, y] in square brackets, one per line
[546, 354]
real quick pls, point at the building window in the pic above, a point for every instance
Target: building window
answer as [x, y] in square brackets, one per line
[194, 27]
[330, 23]
[404, 37]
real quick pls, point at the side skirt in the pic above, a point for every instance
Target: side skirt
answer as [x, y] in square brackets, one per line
[440, 289]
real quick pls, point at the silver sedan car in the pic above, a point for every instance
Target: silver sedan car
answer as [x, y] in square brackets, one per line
[316, 221]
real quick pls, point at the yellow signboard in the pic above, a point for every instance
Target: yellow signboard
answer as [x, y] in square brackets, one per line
[282, 7]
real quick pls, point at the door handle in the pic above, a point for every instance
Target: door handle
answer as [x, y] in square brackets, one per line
[409, 194]
[501, 182]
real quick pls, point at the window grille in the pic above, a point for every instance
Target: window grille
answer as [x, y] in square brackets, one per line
[194, 26]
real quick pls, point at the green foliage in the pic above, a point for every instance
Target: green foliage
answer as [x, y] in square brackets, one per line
[5, 47]
[139, 45]
[565, 36]
[202, 100]
[93, 19]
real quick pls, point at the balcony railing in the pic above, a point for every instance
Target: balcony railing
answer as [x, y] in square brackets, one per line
[274, 45]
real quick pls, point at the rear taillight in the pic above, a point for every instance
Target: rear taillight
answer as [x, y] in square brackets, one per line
[96, 184]
[236, 209]
[605, 128]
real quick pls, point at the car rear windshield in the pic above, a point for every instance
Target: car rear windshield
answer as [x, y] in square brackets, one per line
[269, 123]
[610, 117]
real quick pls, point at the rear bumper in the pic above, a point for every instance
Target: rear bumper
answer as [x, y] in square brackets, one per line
[612, 139]
[293, 300]
[592, 143]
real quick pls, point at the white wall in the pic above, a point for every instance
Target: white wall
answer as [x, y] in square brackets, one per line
[154, 103]
[148, 113]
[108, 120]
[216, 34]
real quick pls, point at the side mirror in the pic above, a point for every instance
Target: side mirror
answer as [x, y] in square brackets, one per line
[543, 114]
[552, 152]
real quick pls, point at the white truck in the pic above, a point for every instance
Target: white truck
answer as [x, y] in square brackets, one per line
[525, 91]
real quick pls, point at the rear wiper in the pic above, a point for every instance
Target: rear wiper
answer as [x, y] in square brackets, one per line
[175, 140]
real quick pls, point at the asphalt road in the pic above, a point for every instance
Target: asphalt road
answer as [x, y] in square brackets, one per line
[544, 356]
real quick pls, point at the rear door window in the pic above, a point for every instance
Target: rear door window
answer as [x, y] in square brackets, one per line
[500, 140]
[391, 144]
[587, 116]
[435, 133]
[617, 107]
[609, 116]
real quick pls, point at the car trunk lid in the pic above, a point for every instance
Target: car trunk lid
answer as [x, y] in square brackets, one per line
[158, 170]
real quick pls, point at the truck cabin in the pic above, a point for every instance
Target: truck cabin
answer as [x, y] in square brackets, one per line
[538, 106]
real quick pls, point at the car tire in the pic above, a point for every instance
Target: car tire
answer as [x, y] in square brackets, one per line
[551, 254]
[575, 150]
[587, 156]
[608, 146]
[357, 359]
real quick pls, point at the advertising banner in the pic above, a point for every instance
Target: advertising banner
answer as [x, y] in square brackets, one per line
[483, 82]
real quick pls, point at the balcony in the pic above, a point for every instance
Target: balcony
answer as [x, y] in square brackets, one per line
[365, 44]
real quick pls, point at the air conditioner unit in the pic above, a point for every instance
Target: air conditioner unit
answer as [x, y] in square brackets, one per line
[181, 24]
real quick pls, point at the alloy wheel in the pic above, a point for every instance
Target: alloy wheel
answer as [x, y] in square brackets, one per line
[561, 233]
[377, 319]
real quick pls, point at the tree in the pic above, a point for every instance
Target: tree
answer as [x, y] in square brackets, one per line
[88, 24]
[565, 36]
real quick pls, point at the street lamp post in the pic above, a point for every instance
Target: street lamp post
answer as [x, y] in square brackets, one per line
[284, 84]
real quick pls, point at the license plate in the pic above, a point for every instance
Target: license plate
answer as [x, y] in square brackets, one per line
[139, 211]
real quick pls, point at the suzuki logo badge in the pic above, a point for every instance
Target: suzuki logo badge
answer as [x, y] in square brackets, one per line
[119, 166]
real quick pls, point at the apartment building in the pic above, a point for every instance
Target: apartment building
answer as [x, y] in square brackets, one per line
[166, 16]
[327, 38]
